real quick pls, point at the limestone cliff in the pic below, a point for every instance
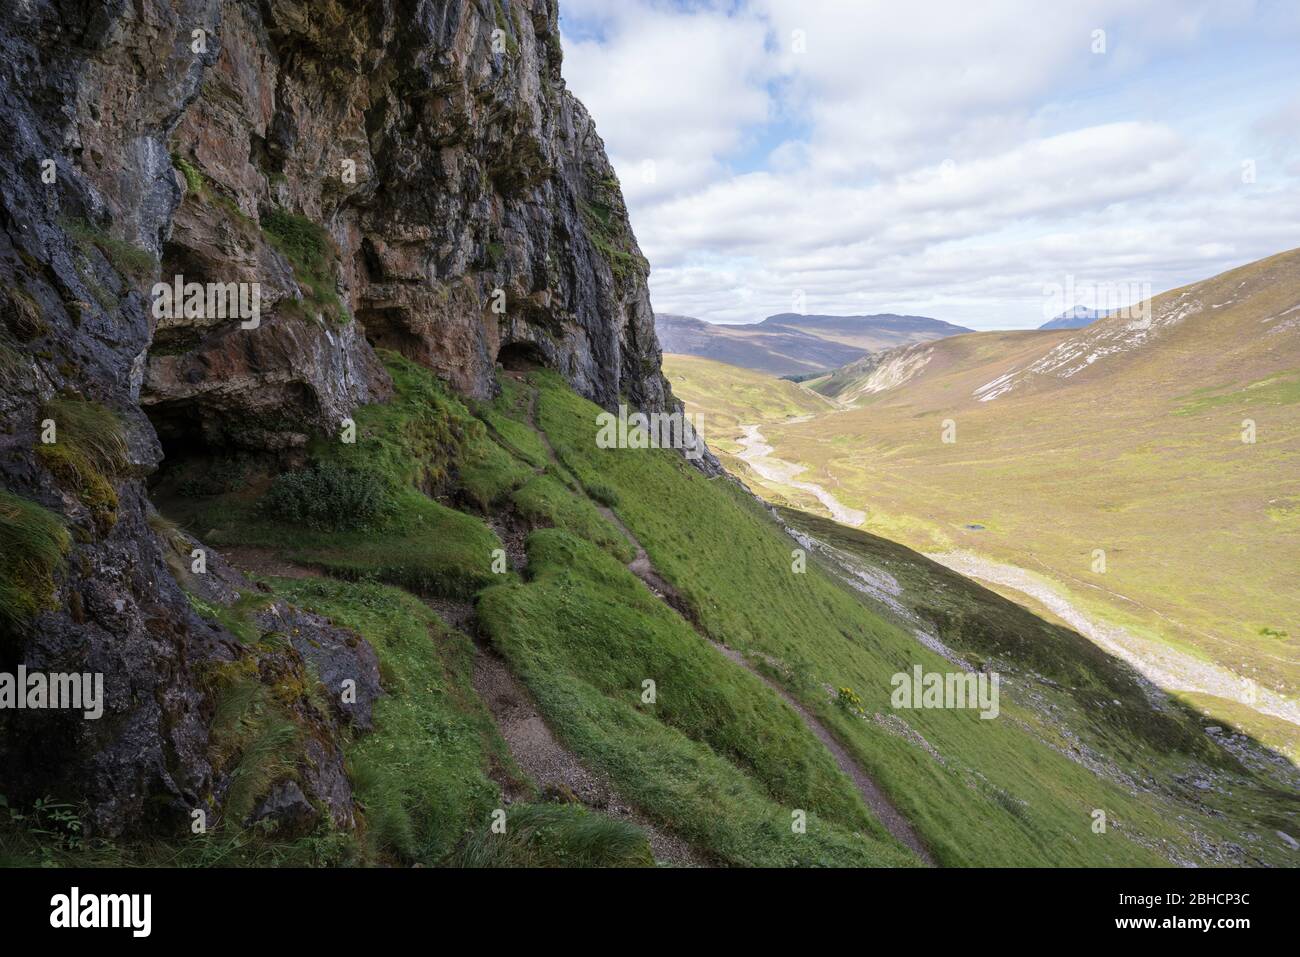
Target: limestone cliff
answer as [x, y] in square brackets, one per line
[408, 174]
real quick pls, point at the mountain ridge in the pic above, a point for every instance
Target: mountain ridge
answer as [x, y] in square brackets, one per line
[795, 344]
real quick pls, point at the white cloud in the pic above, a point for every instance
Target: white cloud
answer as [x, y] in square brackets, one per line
[945, 155]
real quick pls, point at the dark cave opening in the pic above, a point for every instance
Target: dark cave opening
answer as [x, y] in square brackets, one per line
[521, 356]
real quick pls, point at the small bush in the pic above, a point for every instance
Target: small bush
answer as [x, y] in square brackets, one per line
[328, 497]
[848, 700]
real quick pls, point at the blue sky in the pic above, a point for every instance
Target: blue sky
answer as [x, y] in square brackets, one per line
[959, 160]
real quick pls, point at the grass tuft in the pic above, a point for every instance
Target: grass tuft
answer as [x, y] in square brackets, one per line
[88, 453]
[557, 835]
[33, 543]
[310, 252]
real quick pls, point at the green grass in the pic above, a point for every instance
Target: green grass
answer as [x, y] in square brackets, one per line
[421, 775]
[428, 548]
[718, 757]
[87, 454]
[310, 251]
[606, 228]
[129, 260]
[585, 634]
[413, 445]
[193, 178]
[729, 397]
[33, 543]
[557, 835]
[252, 737]
[1197, 525]
[1273, 391]
[506, 417]
[544, 501]
[714, 543]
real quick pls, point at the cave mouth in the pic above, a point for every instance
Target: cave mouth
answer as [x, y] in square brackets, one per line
[521, 357]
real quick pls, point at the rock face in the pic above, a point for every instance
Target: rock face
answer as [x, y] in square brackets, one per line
[464, 203]
[408, 174]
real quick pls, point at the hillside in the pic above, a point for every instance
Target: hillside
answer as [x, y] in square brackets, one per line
[790, 344]
[775, 351]
[745, 657]
[870, 333]
[363, 584]
[978, 356]
[432, 190]
[1129, 435]
[736, 397]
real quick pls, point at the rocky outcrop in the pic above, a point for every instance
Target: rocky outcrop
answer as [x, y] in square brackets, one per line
[463, 200]
[217, 140]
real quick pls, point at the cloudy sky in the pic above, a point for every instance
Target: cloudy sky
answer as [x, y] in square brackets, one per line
[965, 160]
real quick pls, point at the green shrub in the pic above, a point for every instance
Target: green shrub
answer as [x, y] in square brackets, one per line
[193, 178]
[326, 496]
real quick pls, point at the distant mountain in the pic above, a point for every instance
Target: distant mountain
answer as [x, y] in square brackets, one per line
[1224, 332]
[792, 344]
[871, 333]
[1075, 318]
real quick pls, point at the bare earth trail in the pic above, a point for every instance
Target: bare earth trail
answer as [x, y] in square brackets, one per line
[757, 454]
[1162, 665]
[644, 569]
[555, 769]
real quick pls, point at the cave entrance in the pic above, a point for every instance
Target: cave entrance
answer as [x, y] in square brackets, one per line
[520, 357]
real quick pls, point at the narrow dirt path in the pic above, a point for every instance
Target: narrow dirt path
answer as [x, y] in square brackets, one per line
[872, 795]
[555, 769]
[558, 772]
[643, 568]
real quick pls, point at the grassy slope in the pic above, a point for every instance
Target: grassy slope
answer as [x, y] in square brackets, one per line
[1032, 804]
[721, 759]
[734, 396]
[1139, 455]
[718, 756]
[1083, 699]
